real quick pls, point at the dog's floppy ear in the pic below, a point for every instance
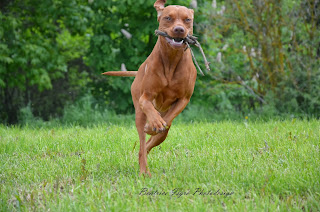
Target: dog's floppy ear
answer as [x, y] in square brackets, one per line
[191, 10]
[159, 5]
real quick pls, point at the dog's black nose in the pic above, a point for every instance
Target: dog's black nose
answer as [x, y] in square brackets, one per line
[179, 30]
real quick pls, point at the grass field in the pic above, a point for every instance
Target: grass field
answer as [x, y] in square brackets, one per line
[232, 166]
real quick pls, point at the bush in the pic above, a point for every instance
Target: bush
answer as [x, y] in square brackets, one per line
[87, 111]
[264, 54]
[26, 117]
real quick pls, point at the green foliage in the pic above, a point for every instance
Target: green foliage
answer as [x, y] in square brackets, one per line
[264, 55]
[87, 112]
[27, 118]
[84, 112]
[260, 49]
[38, 40]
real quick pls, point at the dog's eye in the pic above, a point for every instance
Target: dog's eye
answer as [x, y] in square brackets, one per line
[168, 18]
[188, 20]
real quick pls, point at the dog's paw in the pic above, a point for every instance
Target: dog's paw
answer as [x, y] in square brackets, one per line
[149, 130]
[153, 129]
[145, 174]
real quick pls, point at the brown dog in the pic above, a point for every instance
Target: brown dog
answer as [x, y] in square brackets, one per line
[165, 81]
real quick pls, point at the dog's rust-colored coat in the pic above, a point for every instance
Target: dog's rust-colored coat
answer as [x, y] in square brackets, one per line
[165, 82]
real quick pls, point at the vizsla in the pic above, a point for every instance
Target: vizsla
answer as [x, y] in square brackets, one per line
[165, 81]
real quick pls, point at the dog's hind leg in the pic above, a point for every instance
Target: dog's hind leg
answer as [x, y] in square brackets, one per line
[156, 140]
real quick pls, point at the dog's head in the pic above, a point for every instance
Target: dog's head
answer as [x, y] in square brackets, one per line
[176, 21]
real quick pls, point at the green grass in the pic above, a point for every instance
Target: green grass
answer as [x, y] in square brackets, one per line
[271, 166]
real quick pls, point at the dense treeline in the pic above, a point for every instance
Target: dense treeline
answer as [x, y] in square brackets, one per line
[265, 55]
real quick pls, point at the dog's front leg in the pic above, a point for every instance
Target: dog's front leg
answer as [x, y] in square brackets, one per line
[155, 121]
[141, 120]
[175, 110]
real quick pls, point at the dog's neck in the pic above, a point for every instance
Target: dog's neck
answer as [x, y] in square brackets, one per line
[170, 56]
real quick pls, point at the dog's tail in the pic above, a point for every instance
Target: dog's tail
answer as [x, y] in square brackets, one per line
[121, 73]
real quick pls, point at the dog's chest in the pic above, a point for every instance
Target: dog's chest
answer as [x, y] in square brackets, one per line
[169, 95]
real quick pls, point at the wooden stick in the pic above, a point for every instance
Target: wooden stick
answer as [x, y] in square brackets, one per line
[190, 40]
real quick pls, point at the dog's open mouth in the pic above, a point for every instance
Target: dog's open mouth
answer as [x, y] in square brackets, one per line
[177, 42]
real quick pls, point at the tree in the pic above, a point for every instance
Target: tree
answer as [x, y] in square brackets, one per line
[33, 53]
[266, 53]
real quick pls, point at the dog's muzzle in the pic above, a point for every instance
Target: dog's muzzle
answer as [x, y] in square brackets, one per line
[189, 40]
[177, 42]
